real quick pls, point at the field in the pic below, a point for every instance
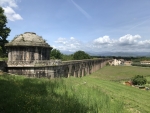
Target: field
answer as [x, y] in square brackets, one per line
[101, 92]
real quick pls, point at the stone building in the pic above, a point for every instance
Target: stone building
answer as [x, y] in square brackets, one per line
[26, 51]
[29, 55]
[28, 47]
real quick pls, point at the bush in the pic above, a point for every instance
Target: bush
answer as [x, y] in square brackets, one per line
[107, 64]
[138, 80]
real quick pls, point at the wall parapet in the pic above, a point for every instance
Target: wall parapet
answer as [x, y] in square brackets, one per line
[33, 63]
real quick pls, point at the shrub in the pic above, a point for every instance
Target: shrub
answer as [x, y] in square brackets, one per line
[107, 64]
[138, 80]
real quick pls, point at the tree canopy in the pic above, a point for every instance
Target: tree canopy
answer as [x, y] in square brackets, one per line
[79, 55]
[4, 31]
[56, 54]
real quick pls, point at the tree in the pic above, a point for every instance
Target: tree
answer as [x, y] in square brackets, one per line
[79, 55]
[138, 80]
[4, 31]
[1, 51]
[67, 57]
[56, 54]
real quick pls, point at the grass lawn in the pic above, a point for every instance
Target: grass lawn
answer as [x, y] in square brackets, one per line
[96, 93]
[121, 72]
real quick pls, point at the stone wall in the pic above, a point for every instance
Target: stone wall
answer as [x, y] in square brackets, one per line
[52, 69]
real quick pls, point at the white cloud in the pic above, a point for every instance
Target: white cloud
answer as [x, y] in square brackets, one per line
[129, 39]
[11, 3]
[126, 43]
[72, 38]
[8, 6]
[68, 44]
[11, 14]
[61, 40]
[103, 40]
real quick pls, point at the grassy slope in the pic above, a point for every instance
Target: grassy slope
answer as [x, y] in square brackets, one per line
[93, 93]
[121, 72]
[133, 98]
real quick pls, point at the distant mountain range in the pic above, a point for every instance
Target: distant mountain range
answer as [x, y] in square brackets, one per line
[124, 54]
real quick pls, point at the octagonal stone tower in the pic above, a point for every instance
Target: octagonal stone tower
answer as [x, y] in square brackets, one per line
[28, 47]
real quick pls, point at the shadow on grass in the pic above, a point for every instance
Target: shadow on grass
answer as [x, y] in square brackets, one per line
[35, 96]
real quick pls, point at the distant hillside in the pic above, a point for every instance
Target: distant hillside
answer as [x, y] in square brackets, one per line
[124, 54]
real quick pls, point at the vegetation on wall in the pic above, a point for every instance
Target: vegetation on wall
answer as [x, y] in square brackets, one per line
[4, 31]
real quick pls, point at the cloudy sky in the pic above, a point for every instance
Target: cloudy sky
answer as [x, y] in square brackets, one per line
[88, 25]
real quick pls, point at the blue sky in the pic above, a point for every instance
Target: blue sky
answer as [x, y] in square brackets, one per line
[88, 25]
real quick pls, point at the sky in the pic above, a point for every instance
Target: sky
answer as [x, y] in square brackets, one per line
[87, 25]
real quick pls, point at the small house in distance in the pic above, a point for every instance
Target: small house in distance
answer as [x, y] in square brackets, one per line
[117, 62]
[127, 63]
[145, 62]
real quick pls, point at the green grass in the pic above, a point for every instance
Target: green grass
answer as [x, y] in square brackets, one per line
[95, 93]
[121, 72]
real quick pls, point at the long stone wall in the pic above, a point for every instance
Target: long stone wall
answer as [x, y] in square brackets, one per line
[52, 69]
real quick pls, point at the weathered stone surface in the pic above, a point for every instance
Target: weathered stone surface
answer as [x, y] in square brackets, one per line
[28, 39]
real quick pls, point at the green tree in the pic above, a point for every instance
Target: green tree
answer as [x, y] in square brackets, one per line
[67, 57]
[79, 55]
[56, 54]
[1, 51]
[138, 80]
[4, 31]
